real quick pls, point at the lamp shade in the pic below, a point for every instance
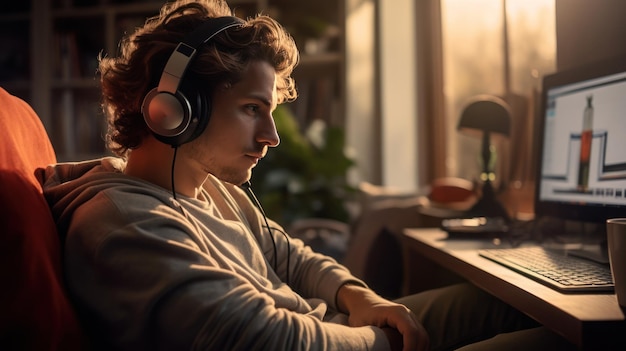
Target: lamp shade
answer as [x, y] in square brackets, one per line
[486, 113]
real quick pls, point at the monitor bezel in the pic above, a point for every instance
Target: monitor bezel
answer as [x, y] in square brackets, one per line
[562, 210]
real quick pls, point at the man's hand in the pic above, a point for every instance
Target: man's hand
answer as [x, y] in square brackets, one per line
[364, 307]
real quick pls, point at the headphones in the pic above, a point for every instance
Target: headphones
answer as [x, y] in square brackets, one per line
[176, 111]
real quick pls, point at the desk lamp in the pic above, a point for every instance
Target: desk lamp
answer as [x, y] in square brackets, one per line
[483, 116]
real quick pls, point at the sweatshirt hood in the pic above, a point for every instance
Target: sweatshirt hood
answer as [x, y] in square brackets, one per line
[66, 186]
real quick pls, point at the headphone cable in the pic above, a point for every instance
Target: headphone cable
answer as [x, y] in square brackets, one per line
[247, 187]
[172, 171]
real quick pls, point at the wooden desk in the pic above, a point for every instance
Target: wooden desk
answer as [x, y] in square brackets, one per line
[591, 321]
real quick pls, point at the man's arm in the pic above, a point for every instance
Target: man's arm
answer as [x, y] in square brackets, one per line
[365, 307]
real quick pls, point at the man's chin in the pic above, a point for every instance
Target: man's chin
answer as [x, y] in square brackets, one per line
[235, 179]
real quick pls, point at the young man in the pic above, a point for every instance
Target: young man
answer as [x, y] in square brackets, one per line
[165, 247]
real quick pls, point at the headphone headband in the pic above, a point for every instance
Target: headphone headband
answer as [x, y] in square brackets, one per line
[186, 50]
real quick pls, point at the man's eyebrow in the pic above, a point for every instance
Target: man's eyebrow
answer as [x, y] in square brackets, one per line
[262, 98]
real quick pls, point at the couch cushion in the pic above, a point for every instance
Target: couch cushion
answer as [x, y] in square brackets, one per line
[25, 144]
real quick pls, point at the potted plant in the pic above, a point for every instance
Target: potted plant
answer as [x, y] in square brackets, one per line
[305, 176]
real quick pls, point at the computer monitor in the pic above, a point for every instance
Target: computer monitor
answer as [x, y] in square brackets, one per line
[581, 170]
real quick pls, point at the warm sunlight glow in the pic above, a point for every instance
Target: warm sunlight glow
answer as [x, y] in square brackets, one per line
[476, 56]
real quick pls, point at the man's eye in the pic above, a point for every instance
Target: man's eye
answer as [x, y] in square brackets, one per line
[252, 108]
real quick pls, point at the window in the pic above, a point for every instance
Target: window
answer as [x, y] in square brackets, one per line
[500, 48]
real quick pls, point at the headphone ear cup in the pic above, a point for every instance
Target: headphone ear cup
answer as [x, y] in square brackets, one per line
[166, 114]
[200, 104]
[177, 119]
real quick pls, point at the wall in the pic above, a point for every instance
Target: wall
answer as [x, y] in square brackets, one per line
[588, 31]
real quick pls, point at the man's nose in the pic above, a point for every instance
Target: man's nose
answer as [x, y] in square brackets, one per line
[267, 133]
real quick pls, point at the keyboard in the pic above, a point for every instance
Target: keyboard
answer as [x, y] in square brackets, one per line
[554, 268]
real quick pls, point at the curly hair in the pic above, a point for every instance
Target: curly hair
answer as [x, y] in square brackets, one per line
[126, 79]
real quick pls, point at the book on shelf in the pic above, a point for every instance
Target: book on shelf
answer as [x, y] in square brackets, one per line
[78, 126]
[66, 57]
[61, 130]
[90, 127]
[316, 100]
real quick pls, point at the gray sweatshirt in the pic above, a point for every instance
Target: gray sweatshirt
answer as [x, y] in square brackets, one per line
[148, 272]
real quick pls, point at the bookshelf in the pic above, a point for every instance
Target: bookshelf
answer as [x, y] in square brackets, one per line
[15, 31]
[50, 51]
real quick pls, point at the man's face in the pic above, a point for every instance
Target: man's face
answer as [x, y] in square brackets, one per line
[241, 127]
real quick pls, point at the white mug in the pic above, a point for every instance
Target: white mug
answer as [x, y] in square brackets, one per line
[616, 235]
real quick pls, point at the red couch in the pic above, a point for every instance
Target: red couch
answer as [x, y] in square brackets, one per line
[35, 311]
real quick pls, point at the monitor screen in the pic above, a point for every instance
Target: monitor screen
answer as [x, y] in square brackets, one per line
[582, 144]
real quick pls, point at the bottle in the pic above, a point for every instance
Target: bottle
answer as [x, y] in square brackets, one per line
[585, 146]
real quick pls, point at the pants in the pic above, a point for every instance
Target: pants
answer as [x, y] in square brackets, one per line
[464, 317]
